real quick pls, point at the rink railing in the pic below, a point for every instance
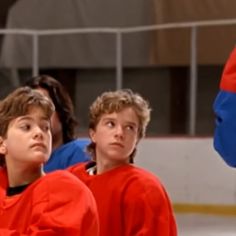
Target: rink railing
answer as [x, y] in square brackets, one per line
[119, 32]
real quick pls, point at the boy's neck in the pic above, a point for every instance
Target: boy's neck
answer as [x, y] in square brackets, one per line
[103, 166]
[23, 176]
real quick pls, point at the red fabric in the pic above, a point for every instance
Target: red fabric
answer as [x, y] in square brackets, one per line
[131, 202]
[3, 180]
[56, 204]
[228, 79]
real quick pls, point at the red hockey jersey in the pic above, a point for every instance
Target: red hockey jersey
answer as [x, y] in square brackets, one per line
[131, 202]
[56, 204]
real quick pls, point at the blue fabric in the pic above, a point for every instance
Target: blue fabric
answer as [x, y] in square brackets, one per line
[83, 143]
[225, 128]
[67, 155]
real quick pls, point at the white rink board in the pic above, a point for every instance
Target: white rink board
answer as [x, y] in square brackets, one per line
[190, 169]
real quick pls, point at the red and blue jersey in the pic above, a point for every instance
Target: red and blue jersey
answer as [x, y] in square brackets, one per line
[225, 111]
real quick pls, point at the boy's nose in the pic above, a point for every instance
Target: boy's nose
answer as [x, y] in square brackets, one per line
[38, 133]
[119, 131]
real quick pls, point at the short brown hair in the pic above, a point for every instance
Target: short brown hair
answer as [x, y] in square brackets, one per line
[116, 101]
[18, 103]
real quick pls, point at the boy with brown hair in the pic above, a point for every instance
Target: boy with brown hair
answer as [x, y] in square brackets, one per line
[32, 203]
[67, 148]
[130, 200]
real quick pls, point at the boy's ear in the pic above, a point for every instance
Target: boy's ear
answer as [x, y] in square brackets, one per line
[3, 148]
[91, 135]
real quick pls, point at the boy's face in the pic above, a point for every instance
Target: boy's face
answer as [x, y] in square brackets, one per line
[28, 139]
[116, 136]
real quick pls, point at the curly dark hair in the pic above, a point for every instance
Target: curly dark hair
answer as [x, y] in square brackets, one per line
[62, 102]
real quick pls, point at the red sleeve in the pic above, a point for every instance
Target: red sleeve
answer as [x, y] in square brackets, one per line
[3, 182]
[71, 209]
[148, 212]
[67, 208]
[3, 178]
[6, 232]
[228, 79]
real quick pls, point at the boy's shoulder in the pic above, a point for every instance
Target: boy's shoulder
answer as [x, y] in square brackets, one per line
[58, 178]
[80, 167]
[57, 183]
[137, 173]
[142, 184]
[140, 179]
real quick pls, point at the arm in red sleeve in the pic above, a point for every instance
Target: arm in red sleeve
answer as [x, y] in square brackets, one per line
[148, 212]
[6, 232]
[61, 205]
[70, 210]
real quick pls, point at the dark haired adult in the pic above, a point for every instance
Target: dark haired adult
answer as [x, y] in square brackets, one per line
[65, 144]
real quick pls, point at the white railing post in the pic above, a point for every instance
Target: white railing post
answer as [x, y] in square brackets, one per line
[193, 82]
[35, 55]
[119, 69]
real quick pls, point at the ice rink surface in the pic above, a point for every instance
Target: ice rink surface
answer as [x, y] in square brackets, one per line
[205, 225]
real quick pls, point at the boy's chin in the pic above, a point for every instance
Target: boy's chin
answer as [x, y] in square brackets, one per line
[41, 159]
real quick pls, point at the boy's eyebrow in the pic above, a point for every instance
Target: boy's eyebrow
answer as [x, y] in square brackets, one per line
[132, 123]
[28, 117]
[111, 118]
[108, 118]
[25, 117]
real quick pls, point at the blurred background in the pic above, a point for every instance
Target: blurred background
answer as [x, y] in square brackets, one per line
[96, 46]
[171, 52]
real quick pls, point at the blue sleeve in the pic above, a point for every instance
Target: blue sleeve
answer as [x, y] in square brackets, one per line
[76, 157]
[65, 156]
[225, 126]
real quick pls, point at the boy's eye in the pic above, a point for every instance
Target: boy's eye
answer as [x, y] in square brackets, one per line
[132, 128]
[46, 127]
[129, 127]
[110, 124]
[25, 127]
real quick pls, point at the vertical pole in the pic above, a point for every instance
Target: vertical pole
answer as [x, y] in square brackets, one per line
[193, 82]
[119, 69]
[35, 55]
